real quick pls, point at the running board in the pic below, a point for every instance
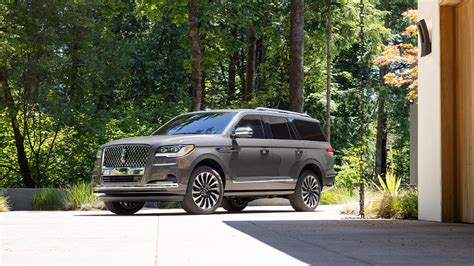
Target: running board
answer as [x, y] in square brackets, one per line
[244, 193]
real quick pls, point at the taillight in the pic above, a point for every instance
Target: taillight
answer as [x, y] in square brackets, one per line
[330, 151]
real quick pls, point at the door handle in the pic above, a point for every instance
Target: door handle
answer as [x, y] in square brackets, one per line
[299, 151]
[264, 150]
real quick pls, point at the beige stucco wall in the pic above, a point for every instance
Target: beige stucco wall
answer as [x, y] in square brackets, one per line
[429, 119]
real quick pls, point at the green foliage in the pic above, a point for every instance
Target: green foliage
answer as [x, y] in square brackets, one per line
[350, 168]
[390, 185]
[85, 72]
[406, 204]
[335, 196]
[382, 206]
[403, 205]
[81, 196]
[4, 204]
[49, 199]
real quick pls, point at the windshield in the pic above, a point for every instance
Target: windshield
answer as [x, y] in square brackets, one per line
[198, 123]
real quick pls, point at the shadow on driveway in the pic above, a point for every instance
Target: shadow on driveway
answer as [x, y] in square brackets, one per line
[183, 213]
[365, 241]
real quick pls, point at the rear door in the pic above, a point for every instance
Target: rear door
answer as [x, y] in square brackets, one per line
[283, 151]
[314, 144]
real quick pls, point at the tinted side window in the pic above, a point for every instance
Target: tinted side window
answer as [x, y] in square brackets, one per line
[253, 122]
[279, 127]
[309, 130]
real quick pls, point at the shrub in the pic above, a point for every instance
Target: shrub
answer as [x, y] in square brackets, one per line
[390, 185]
[49, 199]
[406, 204]
[81, 197]
[335, 196]
[4, 206]
[381, 206]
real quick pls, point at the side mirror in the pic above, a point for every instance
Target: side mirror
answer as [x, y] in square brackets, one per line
[242, 132]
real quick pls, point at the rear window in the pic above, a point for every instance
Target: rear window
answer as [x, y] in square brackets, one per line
[309, 130]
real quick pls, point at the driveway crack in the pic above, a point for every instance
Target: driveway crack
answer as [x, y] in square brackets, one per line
[157, 238]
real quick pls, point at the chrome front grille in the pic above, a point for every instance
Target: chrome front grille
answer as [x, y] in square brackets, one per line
[126, 156]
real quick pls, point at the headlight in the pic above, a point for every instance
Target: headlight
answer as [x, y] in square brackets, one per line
[173, 151]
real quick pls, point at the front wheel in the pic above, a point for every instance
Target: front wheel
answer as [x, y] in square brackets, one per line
[205, 191]
[307, 192]
[124, 207]
[234, 204]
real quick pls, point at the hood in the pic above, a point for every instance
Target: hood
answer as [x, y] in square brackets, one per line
[158, 140]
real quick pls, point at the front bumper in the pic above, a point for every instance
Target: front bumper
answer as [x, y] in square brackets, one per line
[127, 189]
[165, 191]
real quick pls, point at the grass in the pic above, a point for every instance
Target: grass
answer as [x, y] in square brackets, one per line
[49, 199]
[4, 205]
[335, 196]
[81, 197]
[77, 197]
[402, 205]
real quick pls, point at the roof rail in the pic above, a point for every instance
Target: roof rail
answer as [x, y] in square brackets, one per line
[281, 111]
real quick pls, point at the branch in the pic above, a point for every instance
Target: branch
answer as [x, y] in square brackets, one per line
[10, 168]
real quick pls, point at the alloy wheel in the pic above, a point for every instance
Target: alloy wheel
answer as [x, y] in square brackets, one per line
[206, 190]
[310, 191]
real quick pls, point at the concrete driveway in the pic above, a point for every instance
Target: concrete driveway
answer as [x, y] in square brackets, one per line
[261, 235]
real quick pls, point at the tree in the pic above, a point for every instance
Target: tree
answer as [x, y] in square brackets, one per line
[402, 58]
[25, 169]
[328, 70]
[251, 62]
[195, 55]
[295, 70]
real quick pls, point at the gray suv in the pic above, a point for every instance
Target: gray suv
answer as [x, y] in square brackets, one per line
[225, 158]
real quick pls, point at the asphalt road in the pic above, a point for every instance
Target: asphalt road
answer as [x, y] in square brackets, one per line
[261, 235]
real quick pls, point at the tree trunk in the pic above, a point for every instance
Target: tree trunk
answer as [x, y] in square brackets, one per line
[251, 58]
[381, 135]
[195, 55]
[241, 66]
[381, 142]
[231, 81]
[260, 54]
[203, 86]
[296, 55]
[328, 71]
[19, 140]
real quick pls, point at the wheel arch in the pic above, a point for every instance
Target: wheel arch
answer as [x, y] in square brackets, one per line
[213, 162]
[316, 168]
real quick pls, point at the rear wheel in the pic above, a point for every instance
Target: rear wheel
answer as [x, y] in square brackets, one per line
[124, 207]
[205, 191]
[307, 192]
[234, 204]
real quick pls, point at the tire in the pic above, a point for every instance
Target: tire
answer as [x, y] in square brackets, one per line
[234, 204]
[124, 207]
[307, 192]
[205, 191]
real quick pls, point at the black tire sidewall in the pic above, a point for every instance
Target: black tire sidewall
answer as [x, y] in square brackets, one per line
[118, 209]
[188, 203]
[296, 199]
[229, 205]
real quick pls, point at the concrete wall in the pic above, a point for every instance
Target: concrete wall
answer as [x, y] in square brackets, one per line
[414, 144]
[429, 119]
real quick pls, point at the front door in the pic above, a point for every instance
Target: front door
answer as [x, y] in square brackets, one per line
[250, 160]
